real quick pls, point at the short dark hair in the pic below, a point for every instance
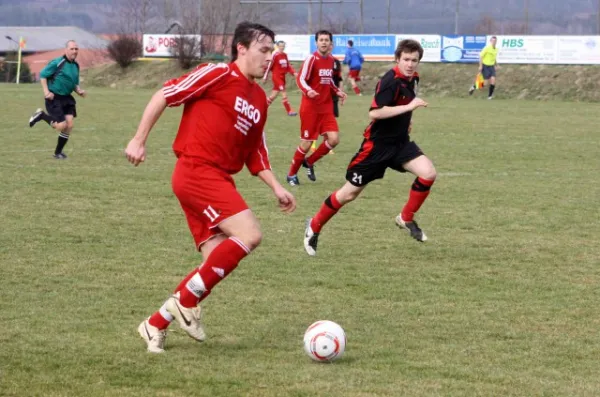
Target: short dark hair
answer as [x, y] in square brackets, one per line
[245, 33]
[323, 32]
[493, 37]
[408, 46]
[350, 43]
[280, 42]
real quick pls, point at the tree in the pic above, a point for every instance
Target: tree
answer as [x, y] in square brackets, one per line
[124, 50]
[8, 70]
[219, 18]
[135, 17]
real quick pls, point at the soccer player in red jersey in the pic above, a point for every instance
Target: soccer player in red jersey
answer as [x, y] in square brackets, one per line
[315, 80]
[386, 145]
[221, 130]
[279, 67]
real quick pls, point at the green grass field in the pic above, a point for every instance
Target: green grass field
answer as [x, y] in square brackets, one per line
[502, 301]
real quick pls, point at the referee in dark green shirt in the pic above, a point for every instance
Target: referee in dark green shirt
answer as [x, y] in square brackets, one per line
[59, 79]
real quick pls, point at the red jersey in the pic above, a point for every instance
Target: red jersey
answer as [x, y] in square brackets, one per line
[280, 65]
[316, 74]
[223, 118]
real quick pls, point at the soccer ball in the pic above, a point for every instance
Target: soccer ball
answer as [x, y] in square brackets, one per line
[324, 341]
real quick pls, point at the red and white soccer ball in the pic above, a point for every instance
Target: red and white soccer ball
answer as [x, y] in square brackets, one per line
[324, 341]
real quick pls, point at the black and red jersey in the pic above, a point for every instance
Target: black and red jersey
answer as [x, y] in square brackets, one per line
[394, 89]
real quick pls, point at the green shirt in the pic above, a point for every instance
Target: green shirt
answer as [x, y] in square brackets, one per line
[488, 55]
[66, 80]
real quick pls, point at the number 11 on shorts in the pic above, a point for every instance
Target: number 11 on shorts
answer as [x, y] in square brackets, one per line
[211, 213]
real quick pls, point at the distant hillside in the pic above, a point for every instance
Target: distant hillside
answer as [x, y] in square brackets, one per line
[539, 82]
[406, 16]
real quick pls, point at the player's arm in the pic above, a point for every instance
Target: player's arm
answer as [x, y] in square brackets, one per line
[347, 57]
[48, 71]
[258, 164]
[268, 70]
[136, 149]
[481, 55]
[78, 90]
[304, 75]
[193, 85]
[287, 202]
[338, 91]
[291, 69]
[384, 102]
[186, 88]
[387, 112]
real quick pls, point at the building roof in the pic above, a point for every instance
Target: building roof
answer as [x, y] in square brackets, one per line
[48, 38]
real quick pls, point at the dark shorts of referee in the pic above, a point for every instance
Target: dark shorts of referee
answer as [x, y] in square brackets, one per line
[61, 106]
[374, 158]
[488, 71]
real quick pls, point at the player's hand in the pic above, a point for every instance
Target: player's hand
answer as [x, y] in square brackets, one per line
[287, 202]
[410, 127]
[480, 68]
[343, 96]
[417, 103]
[312, 94]
[49, 96]
[135, 152]
[81, 93]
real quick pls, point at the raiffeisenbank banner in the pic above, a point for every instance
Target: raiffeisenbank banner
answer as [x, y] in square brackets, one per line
[524, 49]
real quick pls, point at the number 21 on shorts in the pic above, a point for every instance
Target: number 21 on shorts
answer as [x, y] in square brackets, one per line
[357, 178]
[211, 213]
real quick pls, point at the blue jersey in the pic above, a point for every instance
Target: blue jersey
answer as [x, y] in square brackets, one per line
[354, 58]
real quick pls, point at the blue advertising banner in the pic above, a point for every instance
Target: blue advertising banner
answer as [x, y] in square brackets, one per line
[374, 47]
[464, 49]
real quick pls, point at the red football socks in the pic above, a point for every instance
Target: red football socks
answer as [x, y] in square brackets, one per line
[356, 90]
[286, 105]
[418, 193]
[221, 261]
[321, 151]
[297, 161]
[161, 319]
[329, 208]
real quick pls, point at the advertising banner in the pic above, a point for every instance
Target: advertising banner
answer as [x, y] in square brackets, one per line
[162, 45]
[578, 50]
[527, 49]
[431, 43]
[297, 47]
[373, 47]
[463, 49]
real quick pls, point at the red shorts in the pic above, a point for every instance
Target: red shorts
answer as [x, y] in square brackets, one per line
[354, 74]
[314, 124]
[207, 195]
[278, 83]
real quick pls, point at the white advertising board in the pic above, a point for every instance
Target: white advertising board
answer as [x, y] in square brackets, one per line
[527, 49]
[578, 50]
[431, 43]
[297, 47]
[162, 45]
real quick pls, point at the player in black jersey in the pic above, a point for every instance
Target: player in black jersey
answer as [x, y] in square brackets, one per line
[386, 145]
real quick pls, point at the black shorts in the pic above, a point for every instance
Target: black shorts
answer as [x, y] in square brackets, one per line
[61, 106]
[372, 159]
[336, 108]
[488, 71]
